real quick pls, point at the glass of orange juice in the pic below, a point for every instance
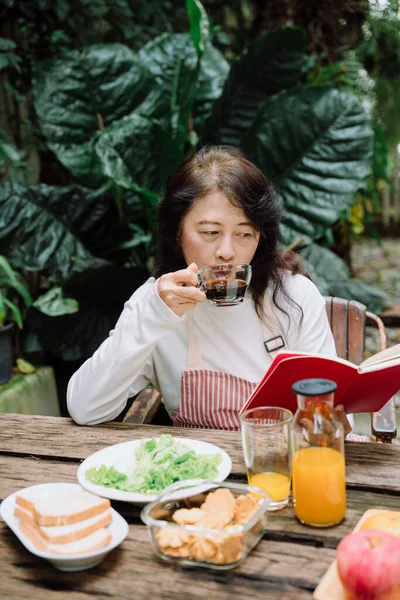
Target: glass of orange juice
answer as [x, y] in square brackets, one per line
[266, 449]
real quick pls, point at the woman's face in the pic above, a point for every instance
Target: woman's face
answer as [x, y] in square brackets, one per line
[215, 232]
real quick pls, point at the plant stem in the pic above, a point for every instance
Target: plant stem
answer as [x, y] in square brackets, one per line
[118, 201]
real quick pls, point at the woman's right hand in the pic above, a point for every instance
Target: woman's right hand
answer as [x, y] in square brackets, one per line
[179, 290]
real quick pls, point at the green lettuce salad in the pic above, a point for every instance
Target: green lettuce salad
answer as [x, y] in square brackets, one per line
[159, 462]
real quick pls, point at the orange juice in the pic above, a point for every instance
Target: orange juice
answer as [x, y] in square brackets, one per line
[276, 485]
[319, 486]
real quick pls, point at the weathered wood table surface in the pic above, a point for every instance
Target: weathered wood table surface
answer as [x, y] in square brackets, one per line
[287, 564]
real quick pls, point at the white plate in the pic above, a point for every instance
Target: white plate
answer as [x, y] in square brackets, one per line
[118, 528]
[122, 457]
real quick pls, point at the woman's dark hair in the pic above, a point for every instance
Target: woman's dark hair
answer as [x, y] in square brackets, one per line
[225, 169]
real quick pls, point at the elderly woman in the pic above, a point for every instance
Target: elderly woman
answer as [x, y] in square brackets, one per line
[218, 208]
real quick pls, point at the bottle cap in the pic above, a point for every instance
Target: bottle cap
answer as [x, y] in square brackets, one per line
[314, 387]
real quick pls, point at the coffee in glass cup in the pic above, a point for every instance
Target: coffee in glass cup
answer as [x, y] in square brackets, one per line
[225, 284]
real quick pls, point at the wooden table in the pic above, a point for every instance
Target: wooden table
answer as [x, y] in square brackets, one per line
[287, 564]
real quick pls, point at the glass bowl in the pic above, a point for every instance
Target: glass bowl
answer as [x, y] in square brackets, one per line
[220, 542]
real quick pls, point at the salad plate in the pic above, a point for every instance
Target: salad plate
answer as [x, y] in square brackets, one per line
[130, 460]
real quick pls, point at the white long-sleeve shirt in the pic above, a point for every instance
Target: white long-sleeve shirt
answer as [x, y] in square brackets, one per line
[149, 345]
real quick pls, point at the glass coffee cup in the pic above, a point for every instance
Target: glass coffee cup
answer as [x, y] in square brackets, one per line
[225, 284]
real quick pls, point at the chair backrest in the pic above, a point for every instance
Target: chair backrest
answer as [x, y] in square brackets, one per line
[144, 407]
[348, 319]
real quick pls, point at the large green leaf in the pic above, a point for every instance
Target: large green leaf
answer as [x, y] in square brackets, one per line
[77, 95]
[159, 126]
[332, 277]
[9, 279]
[124, 149]
[316, 145]
[272, 62]
[54, 304]
[90, 91]
[174, 64]
[199, 25]
[13, 310]
[354, 289]
[213, 73]
[58, 231]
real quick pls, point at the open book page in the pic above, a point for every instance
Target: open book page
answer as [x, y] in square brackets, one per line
[385, 356]
[287, 354]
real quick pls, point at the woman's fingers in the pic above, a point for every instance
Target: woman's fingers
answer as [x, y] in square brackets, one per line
[179, 290]
[342, 416]
[188, 294]
[316, 434]
[186, 305]
[184, 276]
[327, 426]
[307, 424]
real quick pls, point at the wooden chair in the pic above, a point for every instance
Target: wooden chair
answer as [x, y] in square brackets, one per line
[144, 407]
[348, 320]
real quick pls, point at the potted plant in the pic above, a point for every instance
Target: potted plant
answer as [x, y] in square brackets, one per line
[11, 292]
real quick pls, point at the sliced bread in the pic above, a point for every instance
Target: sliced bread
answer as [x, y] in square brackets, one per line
[95, 541]
[62, 534]
[33, 534]
[24, 503]
[68, 508]
[24, 515]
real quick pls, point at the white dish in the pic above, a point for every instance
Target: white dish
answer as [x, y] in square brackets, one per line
[122, 457]
[118, 528]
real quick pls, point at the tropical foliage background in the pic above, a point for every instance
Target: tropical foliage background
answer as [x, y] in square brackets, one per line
[100, 99]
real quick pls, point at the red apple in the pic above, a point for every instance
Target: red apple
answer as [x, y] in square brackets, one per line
[369, 565]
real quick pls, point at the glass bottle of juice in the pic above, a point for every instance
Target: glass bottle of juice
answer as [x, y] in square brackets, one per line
[318, 465]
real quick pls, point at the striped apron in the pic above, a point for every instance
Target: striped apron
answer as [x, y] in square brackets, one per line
[213, 399]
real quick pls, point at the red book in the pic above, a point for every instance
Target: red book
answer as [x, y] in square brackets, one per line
[363, 388]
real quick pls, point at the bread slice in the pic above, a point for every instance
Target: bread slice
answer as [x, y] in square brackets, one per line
[95, 541]
[68, 508]
[33, 534]
[24, 503]
[64, 534]
[24, 515]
